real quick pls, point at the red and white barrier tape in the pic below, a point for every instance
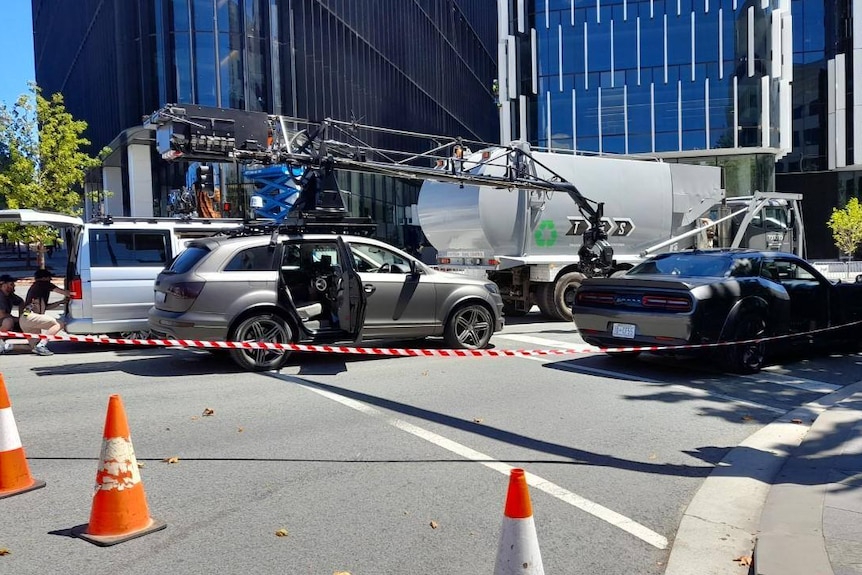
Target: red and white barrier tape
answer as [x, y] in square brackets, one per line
[417, 352]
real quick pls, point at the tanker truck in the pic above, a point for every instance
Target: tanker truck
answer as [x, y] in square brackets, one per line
[533, 243]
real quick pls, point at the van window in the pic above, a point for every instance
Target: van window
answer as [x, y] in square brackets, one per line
[128, 248]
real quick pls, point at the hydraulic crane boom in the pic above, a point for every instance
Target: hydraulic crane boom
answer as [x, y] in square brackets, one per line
[203, 134]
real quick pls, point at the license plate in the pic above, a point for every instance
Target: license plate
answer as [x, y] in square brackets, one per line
[624, 330]
[160, 297]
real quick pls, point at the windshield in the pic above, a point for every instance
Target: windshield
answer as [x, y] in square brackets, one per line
[694, 265]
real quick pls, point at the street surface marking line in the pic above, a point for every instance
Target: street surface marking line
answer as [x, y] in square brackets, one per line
[620, 521]
[540, 341]
[693, 390]
[793, 381]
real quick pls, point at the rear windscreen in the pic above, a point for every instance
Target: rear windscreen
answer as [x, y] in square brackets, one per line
[187, 259]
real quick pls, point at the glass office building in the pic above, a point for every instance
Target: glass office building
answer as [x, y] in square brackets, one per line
[760, 87]
[417, 65]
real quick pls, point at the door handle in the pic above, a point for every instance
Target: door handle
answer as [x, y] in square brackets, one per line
[369, 289]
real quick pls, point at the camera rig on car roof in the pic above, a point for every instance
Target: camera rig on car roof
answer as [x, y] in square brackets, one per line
[197, 133]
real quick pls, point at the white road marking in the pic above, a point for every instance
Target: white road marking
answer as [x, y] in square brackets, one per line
[692, 390]
[628, 525]
[793, 381]
[541, 341]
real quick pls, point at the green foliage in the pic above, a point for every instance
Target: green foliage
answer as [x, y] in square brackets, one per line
[42, 162]
[846, 226]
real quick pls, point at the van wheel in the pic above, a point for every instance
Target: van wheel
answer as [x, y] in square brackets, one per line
[748, 357]
[268, 328]
[469, 327]
[142, 334]
[565, 289]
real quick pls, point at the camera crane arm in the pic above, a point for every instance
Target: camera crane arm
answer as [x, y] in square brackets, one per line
[211, 134]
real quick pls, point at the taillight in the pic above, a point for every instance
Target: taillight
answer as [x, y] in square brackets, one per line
[596, 298]
[186, 290]
[670, 303]
[75, 288]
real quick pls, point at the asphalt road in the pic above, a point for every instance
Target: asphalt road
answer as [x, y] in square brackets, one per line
[384, 465]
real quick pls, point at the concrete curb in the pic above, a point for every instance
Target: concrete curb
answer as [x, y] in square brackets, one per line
[721, 523]
[793, 526]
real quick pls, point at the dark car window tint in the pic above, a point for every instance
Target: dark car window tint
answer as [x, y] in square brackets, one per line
[252, 259]
[187, 259]
[692, 265]
[126, 248]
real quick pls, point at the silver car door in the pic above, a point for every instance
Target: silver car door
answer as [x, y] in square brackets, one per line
[349, 295]
[401, 297]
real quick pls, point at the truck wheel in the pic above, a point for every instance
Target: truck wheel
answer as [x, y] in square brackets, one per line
[268, 328]
[748, 357]
[564, 294]
[545, 300]
[469, 327]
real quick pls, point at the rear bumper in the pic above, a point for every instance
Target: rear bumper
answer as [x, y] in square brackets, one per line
[184, 326]
[596, 328]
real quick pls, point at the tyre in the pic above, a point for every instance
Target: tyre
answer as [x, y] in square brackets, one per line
[564, 294]
[545, 300]
[261, 328]
[748, 357]
[469, 327]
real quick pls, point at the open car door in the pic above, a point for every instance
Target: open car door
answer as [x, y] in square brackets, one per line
[70, 225]
[350, 297]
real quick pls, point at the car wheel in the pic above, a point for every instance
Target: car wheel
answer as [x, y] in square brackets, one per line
[469, 327]
[261, 328]
[748, 357]
[564, 294]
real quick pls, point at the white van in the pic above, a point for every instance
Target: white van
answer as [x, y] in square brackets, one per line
[113, 263]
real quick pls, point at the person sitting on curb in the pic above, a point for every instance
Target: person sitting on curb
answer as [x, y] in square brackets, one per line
[33, 318]
[8, 300]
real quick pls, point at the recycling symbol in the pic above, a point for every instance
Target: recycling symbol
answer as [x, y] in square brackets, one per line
[544, 240]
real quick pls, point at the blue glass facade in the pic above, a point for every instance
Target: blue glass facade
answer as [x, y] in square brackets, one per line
[653, 76]
[771, 90]
[417, 65]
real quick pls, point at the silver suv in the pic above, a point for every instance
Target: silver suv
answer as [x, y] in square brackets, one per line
[316, 288]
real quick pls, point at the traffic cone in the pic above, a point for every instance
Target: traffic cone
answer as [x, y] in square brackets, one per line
[15, 476]
[518, 552]
[119, 510]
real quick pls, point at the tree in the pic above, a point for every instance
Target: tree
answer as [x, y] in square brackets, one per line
[42, 160]
[846, 226]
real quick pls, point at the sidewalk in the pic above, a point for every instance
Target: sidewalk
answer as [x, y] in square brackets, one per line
[812, 519]
[789, 498]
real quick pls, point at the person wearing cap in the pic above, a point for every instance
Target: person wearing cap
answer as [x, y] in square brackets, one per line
[33, 318]
[8, 300]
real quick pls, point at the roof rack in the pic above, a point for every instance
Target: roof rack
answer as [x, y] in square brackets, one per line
[311, 224]
[108, 220]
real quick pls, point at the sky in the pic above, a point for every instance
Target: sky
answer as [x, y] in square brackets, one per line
[16, 45]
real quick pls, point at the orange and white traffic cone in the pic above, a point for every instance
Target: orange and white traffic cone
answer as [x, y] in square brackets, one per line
[518, 552]
[15, 476]
[119, 510]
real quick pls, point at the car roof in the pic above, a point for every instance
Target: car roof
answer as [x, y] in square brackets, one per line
[263, 239]
[733, 252]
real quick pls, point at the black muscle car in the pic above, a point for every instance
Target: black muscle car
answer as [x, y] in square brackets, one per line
[712, 296]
